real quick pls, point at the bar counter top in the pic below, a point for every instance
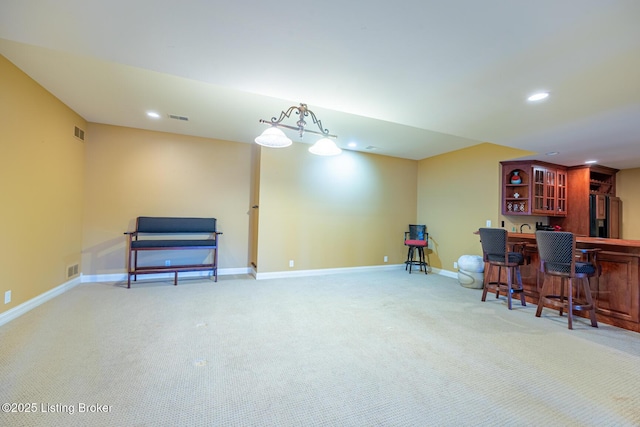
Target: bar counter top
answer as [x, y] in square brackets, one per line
[603, 241]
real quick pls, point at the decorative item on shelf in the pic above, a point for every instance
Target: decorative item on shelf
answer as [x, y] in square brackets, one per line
[516, 195]
[521, 206]
[275, 138]
[509, 206]
[515, 177]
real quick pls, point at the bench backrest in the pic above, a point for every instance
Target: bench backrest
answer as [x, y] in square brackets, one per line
[167, 225]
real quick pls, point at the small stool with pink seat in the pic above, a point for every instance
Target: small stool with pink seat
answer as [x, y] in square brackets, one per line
[416, 239]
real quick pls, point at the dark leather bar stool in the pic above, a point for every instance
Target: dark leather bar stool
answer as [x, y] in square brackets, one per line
[496, 254]
[416, 239]
[557, 251]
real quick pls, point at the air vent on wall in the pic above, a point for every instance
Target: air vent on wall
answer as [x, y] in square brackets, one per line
[176, 117]
[72, 270]
[78, 133]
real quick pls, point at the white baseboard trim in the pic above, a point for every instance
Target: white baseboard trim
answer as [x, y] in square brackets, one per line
[119, 277]
[319, 272]
[452, 274]
[302, 273]
[26, 306]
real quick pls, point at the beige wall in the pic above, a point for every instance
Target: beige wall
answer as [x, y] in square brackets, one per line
[457, 193]
[332, 212]
[133, 172]
[627, 185]
[67, 201]
[42, 182]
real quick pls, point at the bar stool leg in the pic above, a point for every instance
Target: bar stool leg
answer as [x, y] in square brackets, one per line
[520, 286]
[413, 254]
[570, 303]
[423, 262]
[543, 292]
[487, 276]
[509, 290]
[561, 297]
[406, 263]
[592, 309]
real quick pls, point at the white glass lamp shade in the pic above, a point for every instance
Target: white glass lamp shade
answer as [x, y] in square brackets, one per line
[274, 138]
[325, 147]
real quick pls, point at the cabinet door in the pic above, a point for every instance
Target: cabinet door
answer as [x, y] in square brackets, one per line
[561, 193]
[538, 191]
[616, 295]
[615, 212]
[550, 191]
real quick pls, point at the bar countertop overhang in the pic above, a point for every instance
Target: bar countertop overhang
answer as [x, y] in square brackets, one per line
[599, 241]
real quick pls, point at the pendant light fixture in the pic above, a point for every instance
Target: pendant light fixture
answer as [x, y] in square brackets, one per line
[325, 147]
[276, 138]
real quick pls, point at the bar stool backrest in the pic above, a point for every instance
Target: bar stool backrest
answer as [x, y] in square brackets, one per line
[556, 250]
[416, 232]
[494, 244]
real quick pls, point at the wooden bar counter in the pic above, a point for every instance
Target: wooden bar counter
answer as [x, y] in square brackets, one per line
[616, 291]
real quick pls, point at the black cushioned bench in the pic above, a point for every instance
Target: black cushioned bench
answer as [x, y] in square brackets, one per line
[151, 234]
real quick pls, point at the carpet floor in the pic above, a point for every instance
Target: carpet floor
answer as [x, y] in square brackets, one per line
[354, 349]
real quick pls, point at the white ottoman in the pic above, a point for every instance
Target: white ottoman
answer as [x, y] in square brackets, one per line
[471, 271]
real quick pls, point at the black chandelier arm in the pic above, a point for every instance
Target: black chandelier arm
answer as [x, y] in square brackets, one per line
[318, 123]
[280, 125]
[303, 111]
[286, 114]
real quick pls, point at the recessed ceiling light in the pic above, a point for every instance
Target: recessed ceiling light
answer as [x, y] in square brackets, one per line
[352, 145]
[552, 153]
[153, 114]
[538, 96]
[591, 161]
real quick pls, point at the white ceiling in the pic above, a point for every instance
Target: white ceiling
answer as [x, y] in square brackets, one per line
[413, 78]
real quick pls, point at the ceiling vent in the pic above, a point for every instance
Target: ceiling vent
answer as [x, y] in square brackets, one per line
[177, 117]
[78, 133]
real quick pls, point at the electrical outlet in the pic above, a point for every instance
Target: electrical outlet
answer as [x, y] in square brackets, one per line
[488, 223]
[290, 263]
[455, 264]
[167, 263]
[386, 258]
[7, 297]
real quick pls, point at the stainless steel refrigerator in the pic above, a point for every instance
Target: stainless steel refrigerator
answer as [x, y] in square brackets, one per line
[604, 216]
